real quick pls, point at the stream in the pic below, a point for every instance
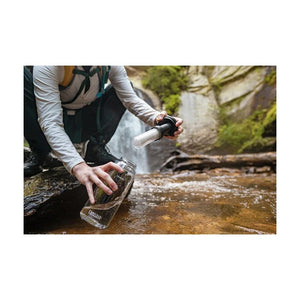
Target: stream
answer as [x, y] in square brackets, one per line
[218, 202]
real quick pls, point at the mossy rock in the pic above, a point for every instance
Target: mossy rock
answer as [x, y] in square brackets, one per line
[167, 82]
[254, 134]
[50, 195]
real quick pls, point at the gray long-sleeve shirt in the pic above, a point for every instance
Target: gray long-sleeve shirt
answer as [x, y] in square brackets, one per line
[49, 101]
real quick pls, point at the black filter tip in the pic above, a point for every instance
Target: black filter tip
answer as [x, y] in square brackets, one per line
[167, 130]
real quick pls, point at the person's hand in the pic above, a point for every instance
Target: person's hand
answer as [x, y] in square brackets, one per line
[96, 175]
[178, 125]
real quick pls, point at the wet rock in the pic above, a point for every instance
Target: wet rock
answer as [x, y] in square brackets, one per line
[250, 170]
[220, 171]
[265, 169]
[202, 162]
[259, 170]
[178, 152]
[51, 195]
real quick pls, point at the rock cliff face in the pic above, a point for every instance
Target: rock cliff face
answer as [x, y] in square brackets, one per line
[233, 91]
[237, 91]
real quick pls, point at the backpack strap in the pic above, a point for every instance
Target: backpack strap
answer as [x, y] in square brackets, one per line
[105, 74]
[85, 83]
[71, 71]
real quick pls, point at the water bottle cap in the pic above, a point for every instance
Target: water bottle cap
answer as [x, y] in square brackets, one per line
[128, 163]
[172, 125]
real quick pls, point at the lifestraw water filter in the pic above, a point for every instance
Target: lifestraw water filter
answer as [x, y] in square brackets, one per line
[165, 127]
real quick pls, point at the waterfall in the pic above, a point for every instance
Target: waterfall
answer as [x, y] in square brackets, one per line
[121, 143]
[148, 159]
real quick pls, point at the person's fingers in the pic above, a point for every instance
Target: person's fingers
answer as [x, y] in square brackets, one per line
[110, 166]
[179, 131]
[100, 178]
[89, 188]
[105, 177]
[176, 134]
[178, 122]
[160, 116]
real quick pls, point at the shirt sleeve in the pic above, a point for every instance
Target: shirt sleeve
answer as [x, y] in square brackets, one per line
[50, 114]
[120, 81]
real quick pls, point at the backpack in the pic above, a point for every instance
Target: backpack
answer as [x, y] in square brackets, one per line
[72, 71]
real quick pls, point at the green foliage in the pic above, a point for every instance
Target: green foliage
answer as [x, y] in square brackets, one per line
[167, 82]
[178, 145]
[271, 77]
[172, 103]
[247, 134]
[271, 115]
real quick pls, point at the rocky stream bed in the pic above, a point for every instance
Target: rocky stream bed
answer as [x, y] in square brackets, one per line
[210, 201]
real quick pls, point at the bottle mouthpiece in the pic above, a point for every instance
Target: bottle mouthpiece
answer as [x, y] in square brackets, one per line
[146, 138]
[164, 127]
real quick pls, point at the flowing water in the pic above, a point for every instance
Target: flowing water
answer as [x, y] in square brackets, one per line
[121, 143]
[190, 203]
[148, 159]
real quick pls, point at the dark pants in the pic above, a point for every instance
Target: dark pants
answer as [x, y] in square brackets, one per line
[96, 122]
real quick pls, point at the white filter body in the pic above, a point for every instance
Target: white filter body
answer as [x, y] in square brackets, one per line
[146, 138]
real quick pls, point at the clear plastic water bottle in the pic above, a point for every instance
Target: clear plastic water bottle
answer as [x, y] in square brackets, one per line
[102, 212]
